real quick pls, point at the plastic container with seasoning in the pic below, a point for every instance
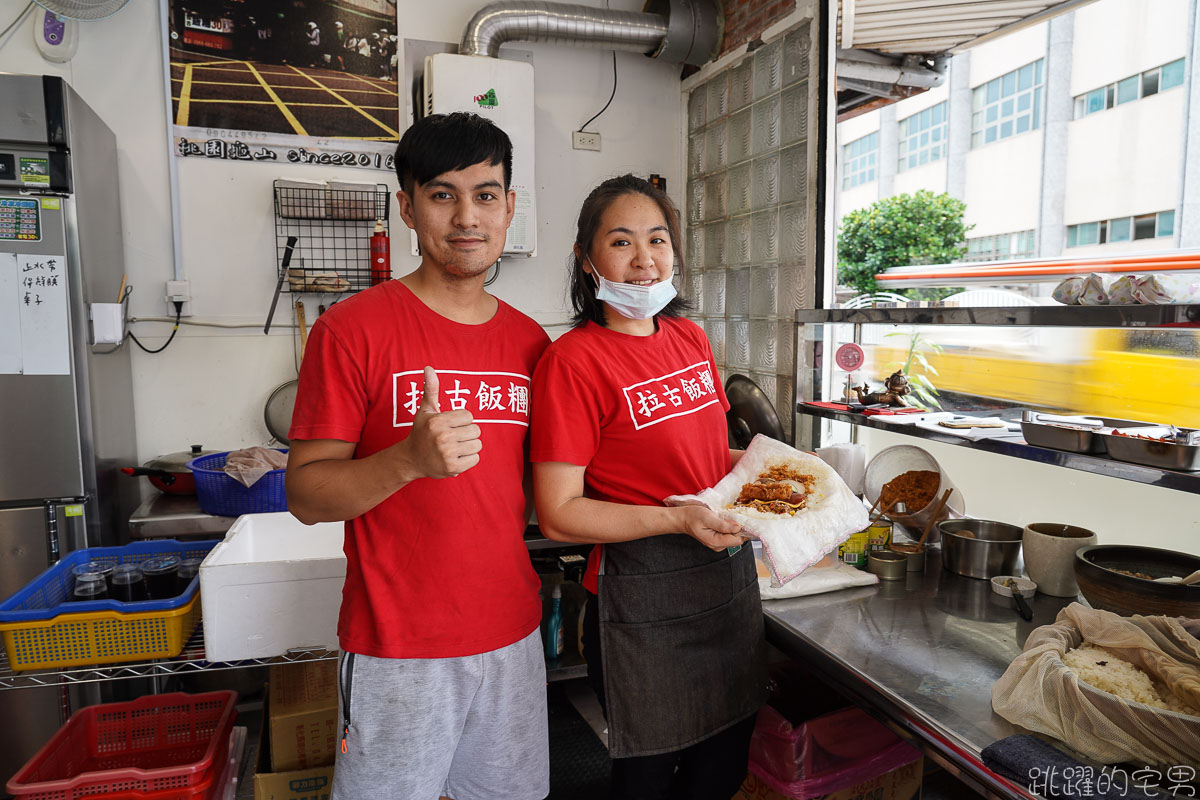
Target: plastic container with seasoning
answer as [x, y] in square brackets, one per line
[854, 550]
[160, 573]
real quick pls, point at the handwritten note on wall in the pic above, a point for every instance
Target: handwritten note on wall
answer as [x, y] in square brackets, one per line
[34, 326]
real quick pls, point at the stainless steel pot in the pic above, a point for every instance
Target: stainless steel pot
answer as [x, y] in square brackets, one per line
[980, 548]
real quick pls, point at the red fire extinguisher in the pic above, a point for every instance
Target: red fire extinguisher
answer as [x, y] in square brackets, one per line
[381, 264]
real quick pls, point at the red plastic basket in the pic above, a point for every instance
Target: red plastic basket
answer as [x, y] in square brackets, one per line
[166, 745]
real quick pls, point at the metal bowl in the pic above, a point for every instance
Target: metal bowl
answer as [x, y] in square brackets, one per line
[1105, 588]
[980, 548]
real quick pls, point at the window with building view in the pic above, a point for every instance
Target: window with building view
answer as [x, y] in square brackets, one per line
[922, 137]
[1000, 247]
[1069, 185]
[1122, 229]
[860, 161]
[1007, 105]
[1135, 87]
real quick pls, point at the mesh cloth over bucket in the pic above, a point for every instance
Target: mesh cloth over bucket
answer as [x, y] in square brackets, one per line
[1039, 692]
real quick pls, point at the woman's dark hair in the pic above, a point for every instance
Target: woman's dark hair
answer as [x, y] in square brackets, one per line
[582, 289]
[443, 143]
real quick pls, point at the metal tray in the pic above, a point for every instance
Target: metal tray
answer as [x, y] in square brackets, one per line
[1072, 440]
[1164, 455]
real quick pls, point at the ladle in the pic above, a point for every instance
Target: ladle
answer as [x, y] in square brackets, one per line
[1190, 579]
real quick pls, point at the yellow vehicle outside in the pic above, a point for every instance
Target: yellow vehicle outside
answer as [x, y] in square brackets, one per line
[1108, 379]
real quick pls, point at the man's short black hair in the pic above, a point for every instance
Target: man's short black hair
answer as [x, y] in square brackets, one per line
[443, 143]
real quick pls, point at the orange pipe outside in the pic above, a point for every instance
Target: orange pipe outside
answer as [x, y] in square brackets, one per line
[1168, 264]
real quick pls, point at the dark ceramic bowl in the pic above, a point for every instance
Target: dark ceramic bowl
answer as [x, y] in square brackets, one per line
[1107, 589]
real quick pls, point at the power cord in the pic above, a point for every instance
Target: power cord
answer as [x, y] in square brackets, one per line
[583, 127]
[129, 334]
[14, 23]
[178, 313]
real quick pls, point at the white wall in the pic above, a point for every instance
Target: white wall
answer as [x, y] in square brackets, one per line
[1003, 183]
[992, 59]
[927, 176]
[210, 385]
[1125, 161]
[1115, 39]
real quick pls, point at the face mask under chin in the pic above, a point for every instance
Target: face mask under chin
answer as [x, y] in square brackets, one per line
[629, 300]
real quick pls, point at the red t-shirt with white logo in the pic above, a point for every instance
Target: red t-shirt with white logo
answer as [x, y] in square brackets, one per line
[644, 414]
[440, 568]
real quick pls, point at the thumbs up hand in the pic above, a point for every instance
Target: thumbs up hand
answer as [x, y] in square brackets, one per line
[441, 445]
[429, 397]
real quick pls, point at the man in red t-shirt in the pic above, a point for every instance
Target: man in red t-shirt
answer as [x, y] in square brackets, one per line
[410, 425]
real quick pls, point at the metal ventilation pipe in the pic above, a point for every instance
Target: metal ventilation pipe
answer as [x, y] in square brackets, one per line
[678, 31]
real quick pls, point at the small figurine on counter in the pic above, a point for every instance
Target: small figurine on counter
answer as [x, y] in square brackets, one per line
[895, 387]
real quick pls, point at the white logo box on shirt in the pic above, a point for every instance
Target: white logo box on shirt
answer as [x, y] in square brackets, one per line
[676, 394]
[491, 397]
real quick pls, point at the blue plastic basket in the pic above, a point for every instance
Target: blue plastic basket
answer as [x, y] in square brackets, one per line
[223, 496]
[45, 597]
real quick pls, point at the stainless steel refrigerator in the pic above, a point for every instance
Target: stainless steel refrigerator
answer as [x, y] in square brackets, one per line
[66, 404]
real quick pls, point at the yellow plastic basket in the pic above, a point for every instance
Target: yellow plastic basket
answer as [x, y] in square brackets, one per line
[99, 637]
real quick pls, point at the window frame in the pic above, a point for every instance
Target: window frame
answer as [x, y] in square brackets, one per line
[996, 112]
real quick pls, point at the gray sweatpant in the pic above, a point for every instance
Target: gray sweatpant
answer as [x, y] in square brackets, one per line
[470, 728]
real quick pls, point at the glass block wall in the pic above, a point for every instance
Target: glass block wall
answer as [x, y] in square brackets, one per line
[749, 221]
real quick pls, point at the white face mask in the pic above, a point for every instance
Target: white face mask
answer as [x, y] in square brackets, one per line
[630, 300]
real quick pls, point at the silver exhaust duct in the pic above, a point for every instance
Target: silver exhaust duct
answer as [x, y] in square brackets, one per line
[678, 31]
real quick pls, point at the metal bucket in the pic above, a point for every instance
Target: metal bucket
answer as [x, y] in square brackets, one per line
[993, 550]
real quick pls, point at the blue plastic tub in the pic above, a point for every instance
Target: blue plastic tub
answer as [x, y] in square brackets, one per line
[45, 597]
[223, 496]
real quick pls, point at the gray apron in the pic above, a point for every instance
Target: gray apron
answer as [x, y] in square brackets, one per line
[682, 647]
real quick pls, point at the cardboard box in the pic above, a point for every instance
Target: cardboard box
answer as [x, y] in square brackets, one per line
[303, 705]
[305, 784]
[274, 584]
[902, 783]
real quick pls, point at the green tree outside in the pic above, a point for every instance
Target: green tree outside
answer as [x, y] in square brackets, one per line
[906, 229]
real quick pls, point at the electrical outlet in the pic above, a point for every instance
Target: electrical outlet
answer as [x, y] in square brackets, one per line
[179, 291]
[581, 140]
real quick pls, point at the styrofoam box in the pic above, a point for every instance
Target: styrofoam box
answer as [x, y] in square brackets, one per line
[273, 585]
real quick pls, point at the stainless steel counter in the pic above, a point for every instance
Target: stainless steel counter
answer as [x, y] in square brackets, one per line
[924, 651]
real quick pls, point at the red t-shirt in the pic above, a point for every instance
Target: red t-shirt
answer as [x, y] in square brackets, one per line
[440, 568]
[644, 414]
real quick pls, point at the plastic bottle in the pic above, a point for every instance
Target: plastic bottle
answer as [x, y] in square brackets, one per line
[381, 262]
[554, 625]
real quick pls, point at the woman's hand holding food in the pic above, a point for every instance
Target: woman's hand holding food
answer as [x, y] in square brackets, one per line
[441, 445]
[708, 529]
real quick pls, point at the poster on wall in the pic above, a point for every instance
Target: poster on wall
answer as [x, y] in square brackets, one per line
[299, 82]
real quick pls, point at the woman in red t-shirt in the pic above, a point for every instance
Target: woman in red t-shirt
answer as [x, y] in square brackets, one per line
[628, 409]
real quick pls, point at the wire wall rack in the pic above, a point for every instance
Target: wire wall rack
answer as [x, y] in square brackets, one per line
[323, 233]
